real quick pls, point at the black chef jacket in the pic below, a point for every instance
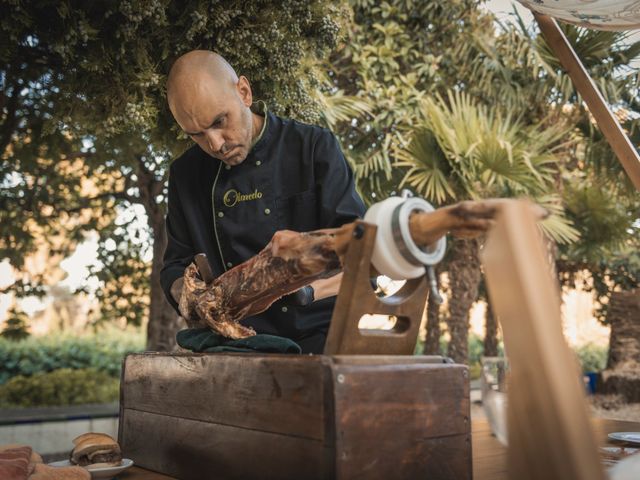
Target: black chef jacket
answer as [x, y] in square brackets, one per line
[295, 177]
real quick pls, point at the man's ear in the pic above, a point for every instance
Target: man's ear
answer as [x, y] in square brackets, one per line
[244, 90]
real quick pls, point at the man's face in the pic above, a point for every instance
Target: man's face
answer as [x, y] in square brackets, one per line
[216, 117]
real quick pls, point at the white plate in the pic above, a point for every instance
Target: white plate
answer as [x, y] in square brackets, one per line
[103, 472]
[629, 437]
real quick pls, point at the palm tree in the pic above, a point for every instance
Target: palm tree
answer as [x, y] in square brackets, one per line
[461, 149]
[601, 200]
[608, 220]
[517, 70]
[395, 58]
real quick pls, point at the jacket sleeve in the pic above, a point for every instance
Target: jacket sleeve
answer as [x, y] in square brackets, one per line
[339, 202]
[179, 252]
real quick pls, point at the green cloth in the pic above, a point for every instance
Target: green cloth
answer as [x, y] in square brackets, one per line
[205, 340]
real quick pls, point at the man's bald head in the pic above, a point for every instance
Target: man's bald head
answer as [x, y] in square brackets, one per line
[212, 105]
[195, 67]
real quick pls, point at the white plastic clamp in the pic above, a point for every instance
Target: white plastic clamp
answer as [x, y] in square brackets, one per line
[395, 254]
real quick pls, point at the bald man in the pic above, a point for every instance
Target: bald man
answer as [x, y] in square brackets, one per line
[250, 174]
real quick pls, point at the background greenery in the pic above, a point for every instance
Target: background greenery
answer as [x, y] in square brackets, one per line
[85, 132]
[592, 357]
[435, 96]
[63, 369]
[63, 386]
[103, 352]
[66, 370]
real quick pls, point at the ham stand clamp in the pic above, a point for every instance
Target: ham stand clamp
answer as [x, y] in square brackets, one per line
[383, 241]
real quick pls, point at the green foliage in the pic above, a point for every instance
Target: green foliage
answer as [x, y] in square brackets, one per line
[16, 326]
[123, 271]
[59, 387]
[593, 358]
[476, 348]
[37, 355]
[85, 132]
[605, 55]
[600, 200]
[604, 220]
[462, 149]
[475, 370]
[488, 155]
[397, 53]
[608, 220]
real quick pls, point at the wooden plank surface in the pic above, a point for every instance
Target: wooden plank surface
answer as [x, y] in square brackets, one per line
[372, 360]
[187, 449]
[415, 416]
[608, 123]
[489, 455]
[139, 473]
[276, 393]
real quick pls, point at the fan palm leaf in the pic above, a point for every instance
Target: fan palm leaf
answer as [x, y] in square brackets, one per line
[337, 107]
[606, 220]
[462, 149]
[428, 170]
[557, 226]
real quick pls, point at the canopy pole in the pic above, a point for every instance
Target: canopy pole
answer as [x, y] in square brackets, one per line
[608, 123]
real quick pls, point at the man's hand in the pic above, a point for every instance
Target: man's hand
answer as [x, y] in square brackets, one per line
[323, 288]
[185, 294]
[177, 291]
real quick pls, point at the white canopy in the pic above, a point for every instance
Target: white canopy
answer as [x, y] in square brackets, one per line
[597, 14]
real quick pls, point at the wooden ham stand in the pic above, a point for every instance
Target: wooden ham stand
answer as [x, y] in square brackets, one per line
[356, 298]
[367, 408]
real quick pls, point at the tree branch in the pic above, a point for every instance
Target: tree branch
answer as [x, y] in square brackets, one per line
[10, 121]
[149, 187]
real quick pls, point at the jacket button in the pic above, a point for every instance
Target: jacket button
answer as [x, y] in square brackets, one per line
[229, 264]
[227, 167]
[284, 309]
[221, 214]
[258, 163]
[267, 211]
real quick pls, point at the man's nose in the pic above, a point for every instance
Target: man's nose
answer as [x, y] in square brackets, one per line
[215, 140]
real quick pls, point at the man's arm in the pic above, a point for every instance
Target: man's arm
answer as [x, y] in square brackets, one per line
[339, 202]
[338, 199]
[326, 287]
[179, 252]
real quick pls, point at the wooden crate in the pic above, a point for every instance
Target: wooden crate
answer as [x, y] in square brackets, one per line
[244, 416]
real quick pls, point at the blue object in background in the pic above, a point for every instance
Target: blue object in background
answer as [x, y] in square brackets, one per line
[590, 381]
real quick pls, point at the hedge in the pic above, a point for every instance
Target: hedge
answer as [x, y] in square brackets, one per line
[59, 387]
[101, 352]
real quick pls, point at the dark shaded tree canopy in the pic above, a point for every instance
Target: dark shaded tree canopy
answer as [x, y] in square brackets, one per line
[85, 132]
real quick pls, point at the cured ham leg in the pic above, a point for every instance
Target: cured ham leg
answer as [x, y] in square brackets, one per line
[292, 260]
